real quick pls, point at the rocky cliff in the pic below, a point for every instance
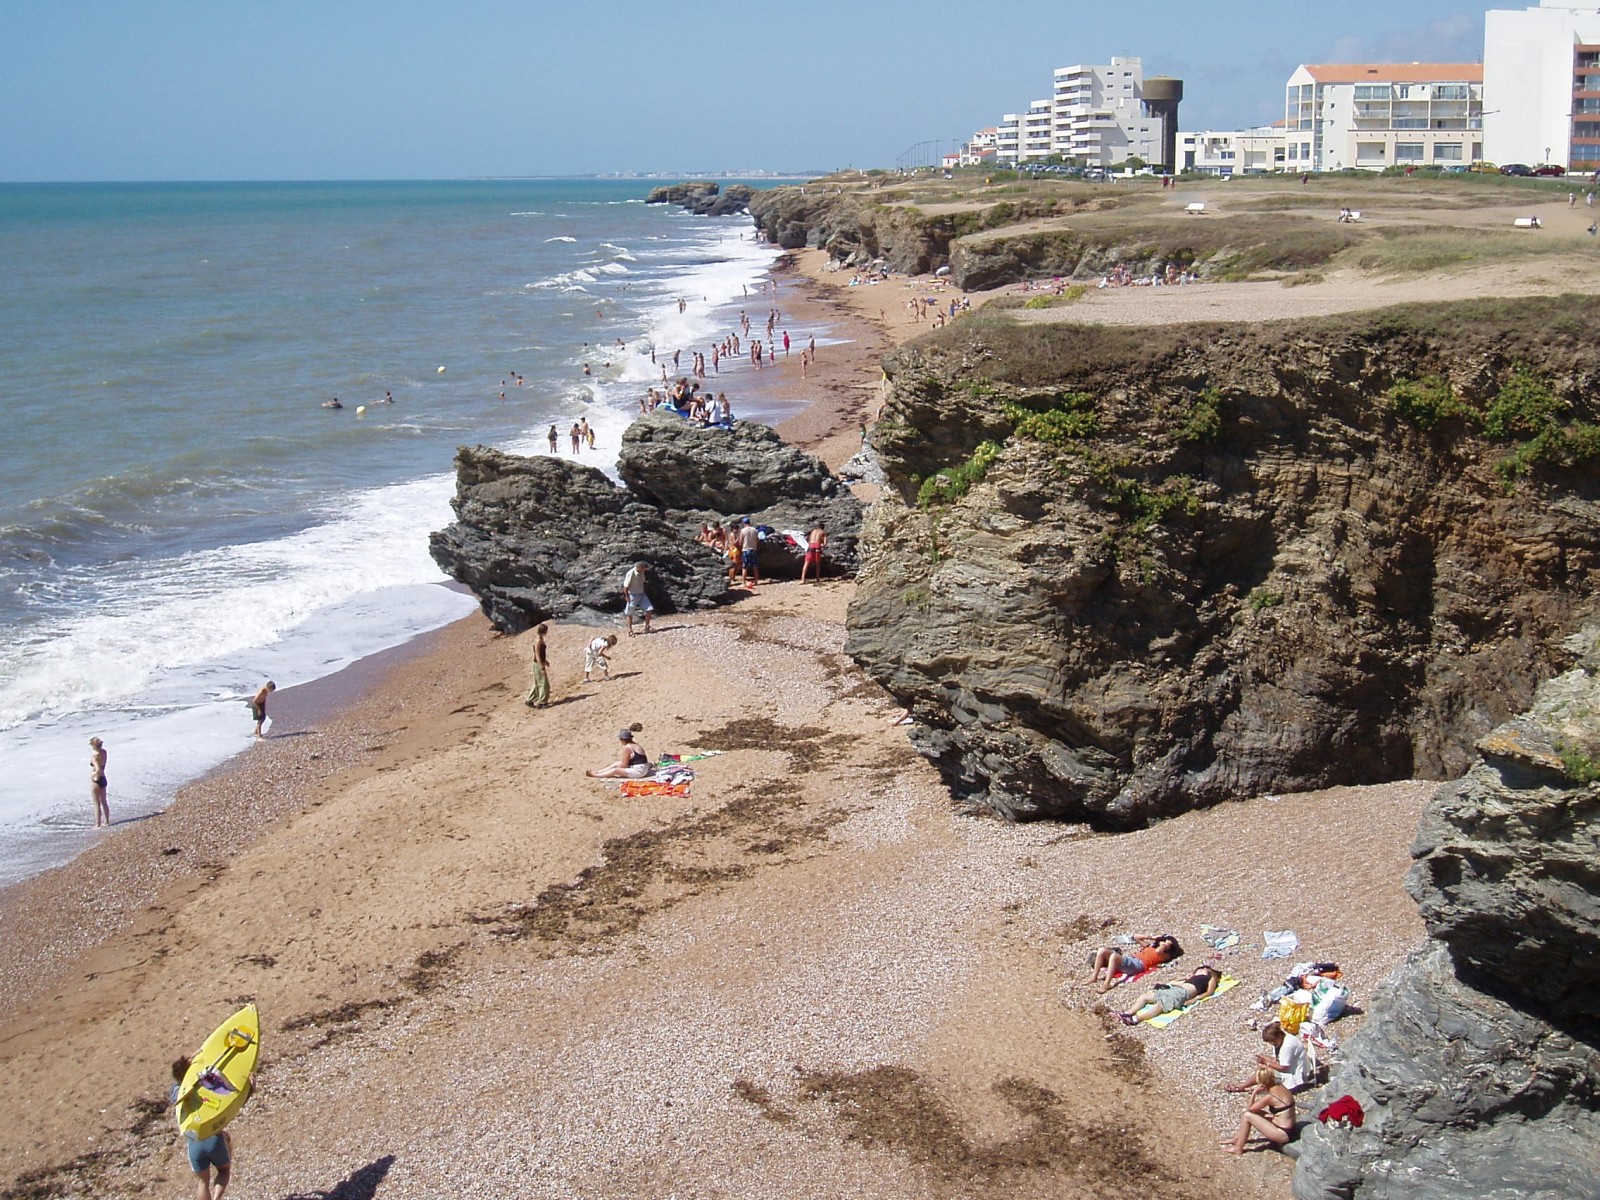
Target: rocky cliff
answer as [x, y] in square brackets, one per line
[990, 239]
[1479, 1068]
[543, 537]
[1123, 573]
[704, 198]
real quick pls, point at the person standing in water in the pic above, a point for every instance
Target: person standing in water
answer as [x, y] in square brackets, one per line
[97, 782]
[553, 439]
[258, 706]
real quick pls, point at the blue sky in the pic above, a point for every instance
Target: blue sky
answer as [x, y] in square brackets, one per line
[409, 89]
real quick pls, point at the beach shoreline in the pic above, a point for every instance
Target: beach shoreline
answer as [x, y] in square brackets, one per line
[800, 969]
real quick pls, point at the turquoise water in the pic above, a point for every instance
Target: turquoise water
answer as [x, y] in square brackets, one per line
[181, 518]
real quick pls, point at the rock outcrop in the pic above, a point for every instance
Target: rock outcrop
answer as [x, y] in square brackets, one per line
[1479, 1068]
[993, 239]
[704, 198]
[1122, 573]
[543, 537]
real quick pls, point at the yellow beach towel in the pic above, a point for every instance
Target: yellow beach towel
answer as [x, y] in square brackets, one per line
[1165, 1019]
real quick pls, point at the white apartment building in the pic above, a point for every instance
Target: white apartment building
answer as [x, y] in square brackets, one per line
[1541, 68]
[1376, 115]
[1098, 116]
[1095, 116]
[1233, 152]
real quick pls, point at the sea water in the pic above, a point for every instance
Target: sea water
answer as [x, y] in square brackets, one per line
[182, 519]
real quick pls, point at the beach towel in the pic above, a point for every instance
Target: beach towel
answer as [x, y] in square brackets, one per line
[1280, 944]
[1219, 938]
[1120, 978]
[653, 787]
[1165, 1019]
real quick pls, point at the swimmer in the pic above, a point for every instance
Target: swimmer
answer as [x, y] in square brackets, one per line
[334, 403]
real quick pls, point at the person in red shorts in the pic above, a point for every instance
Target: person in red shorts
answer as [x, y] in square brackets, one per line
[812, 566]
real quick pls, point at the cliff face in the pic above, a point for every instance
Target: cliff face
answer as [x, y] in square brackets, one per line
[1151, 570]
[990, 239]
[1479, 1068]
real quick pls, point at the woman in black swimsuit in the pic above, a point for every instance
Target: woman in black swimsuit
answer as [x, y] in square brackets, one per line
[97, 782]
[1270, 1114]
[633, 764]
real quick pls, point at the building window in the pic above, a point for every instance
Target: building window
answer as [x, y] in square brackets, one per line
[1371, 153]
[1450, 91]
[1447, 152]
[1367, 91]
[1408, 152]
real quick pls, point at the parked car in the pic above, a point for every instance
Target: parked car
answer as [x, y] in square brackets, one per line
[1483, 167]
[1517, 169]
[1551, 169]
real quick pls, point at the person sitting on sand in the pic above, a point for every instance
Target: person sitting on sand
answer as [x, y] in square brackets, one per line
[634, 763]
[1287, 1060]
[1147, 952]
[1270, 1114]
[1169, 997]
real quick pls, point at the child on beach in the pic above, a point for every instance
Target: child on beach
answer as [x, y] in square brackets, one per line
[596, 655]
[258, 706]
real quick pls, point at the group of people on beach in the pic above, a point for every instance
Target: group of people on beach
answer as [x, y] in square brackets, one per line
[1275, 1074]
[581, 434]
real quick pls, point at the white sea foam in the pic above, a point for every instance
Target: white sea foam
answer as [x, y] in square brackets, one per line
[160, 660]
[562, 238]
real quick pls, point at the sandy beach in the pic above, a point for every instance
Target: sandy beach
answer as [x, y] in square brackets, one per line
[481, 972]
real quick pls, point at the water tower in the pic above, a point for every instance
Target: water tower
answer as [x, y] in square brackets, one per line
[1161, 98]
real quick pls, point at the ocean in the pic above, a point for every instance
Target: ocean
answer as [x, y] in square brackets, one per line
[182, 519]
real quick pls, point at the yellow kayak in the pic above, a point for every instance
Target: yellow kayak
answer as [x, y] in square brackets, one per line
[217, 1083]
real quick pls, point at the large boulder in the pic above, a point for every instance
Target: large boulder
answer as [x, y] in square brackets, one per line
[704, 198]
[671, 463]
[536, 538]
[1479, 1068]
[542, 537]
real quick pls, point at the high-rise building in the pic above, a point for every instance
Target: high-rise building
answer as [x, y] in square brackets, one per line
[1541, 69]
[1097, 116]
[1377, 115]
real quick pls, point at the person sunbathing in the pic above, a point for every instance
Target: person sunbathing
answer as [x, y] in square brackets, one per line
[1169, 997]
[1270, 1114]
[1147, 952]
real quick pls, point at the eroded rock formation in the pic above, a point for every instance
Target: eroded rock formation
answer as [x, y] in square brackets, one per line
[704, 198]
[543, 537]
[1479, 1068]
[1154, 569]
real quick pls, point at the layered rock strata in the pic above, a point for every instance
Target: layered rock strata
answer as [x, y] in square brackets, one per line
[1120, 573]
[1479, 1068]
[544, 537]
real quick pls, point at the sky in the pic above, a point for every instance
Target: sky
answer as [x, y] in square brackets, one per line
[427, 89]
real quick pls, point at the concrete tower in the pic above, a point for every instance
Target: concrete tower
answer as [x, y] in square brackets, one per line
[1161, 98]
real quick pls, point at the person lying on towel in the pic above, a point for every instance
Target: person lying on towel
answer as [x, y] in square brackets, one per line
[1146, 952]
[1169, 997]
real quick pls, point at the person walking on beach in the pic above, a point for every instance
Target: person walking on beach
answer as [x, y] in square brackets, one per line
[597, 656]
[207, 1155]
[812, 566]
[258, 706]
[539, 693]
[97, 782]
[749, 560]
[635, 600]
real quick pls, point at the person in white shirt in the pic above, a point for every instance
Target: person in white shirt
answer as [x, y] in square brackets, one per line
[635, 600]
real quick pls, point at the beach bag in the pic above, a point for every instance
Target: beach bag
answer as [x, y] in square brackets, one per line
[1294, 1010]
[1328, 1001]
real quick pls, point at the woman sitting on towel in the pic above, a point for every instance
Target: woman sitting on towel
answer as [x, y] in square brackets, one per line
[634, 762]
[1270, 1114]
[1169, 997]
[1147, 952]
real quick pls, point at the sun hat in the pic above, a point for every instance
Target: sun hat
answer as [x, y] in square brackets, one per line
[625, 735]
